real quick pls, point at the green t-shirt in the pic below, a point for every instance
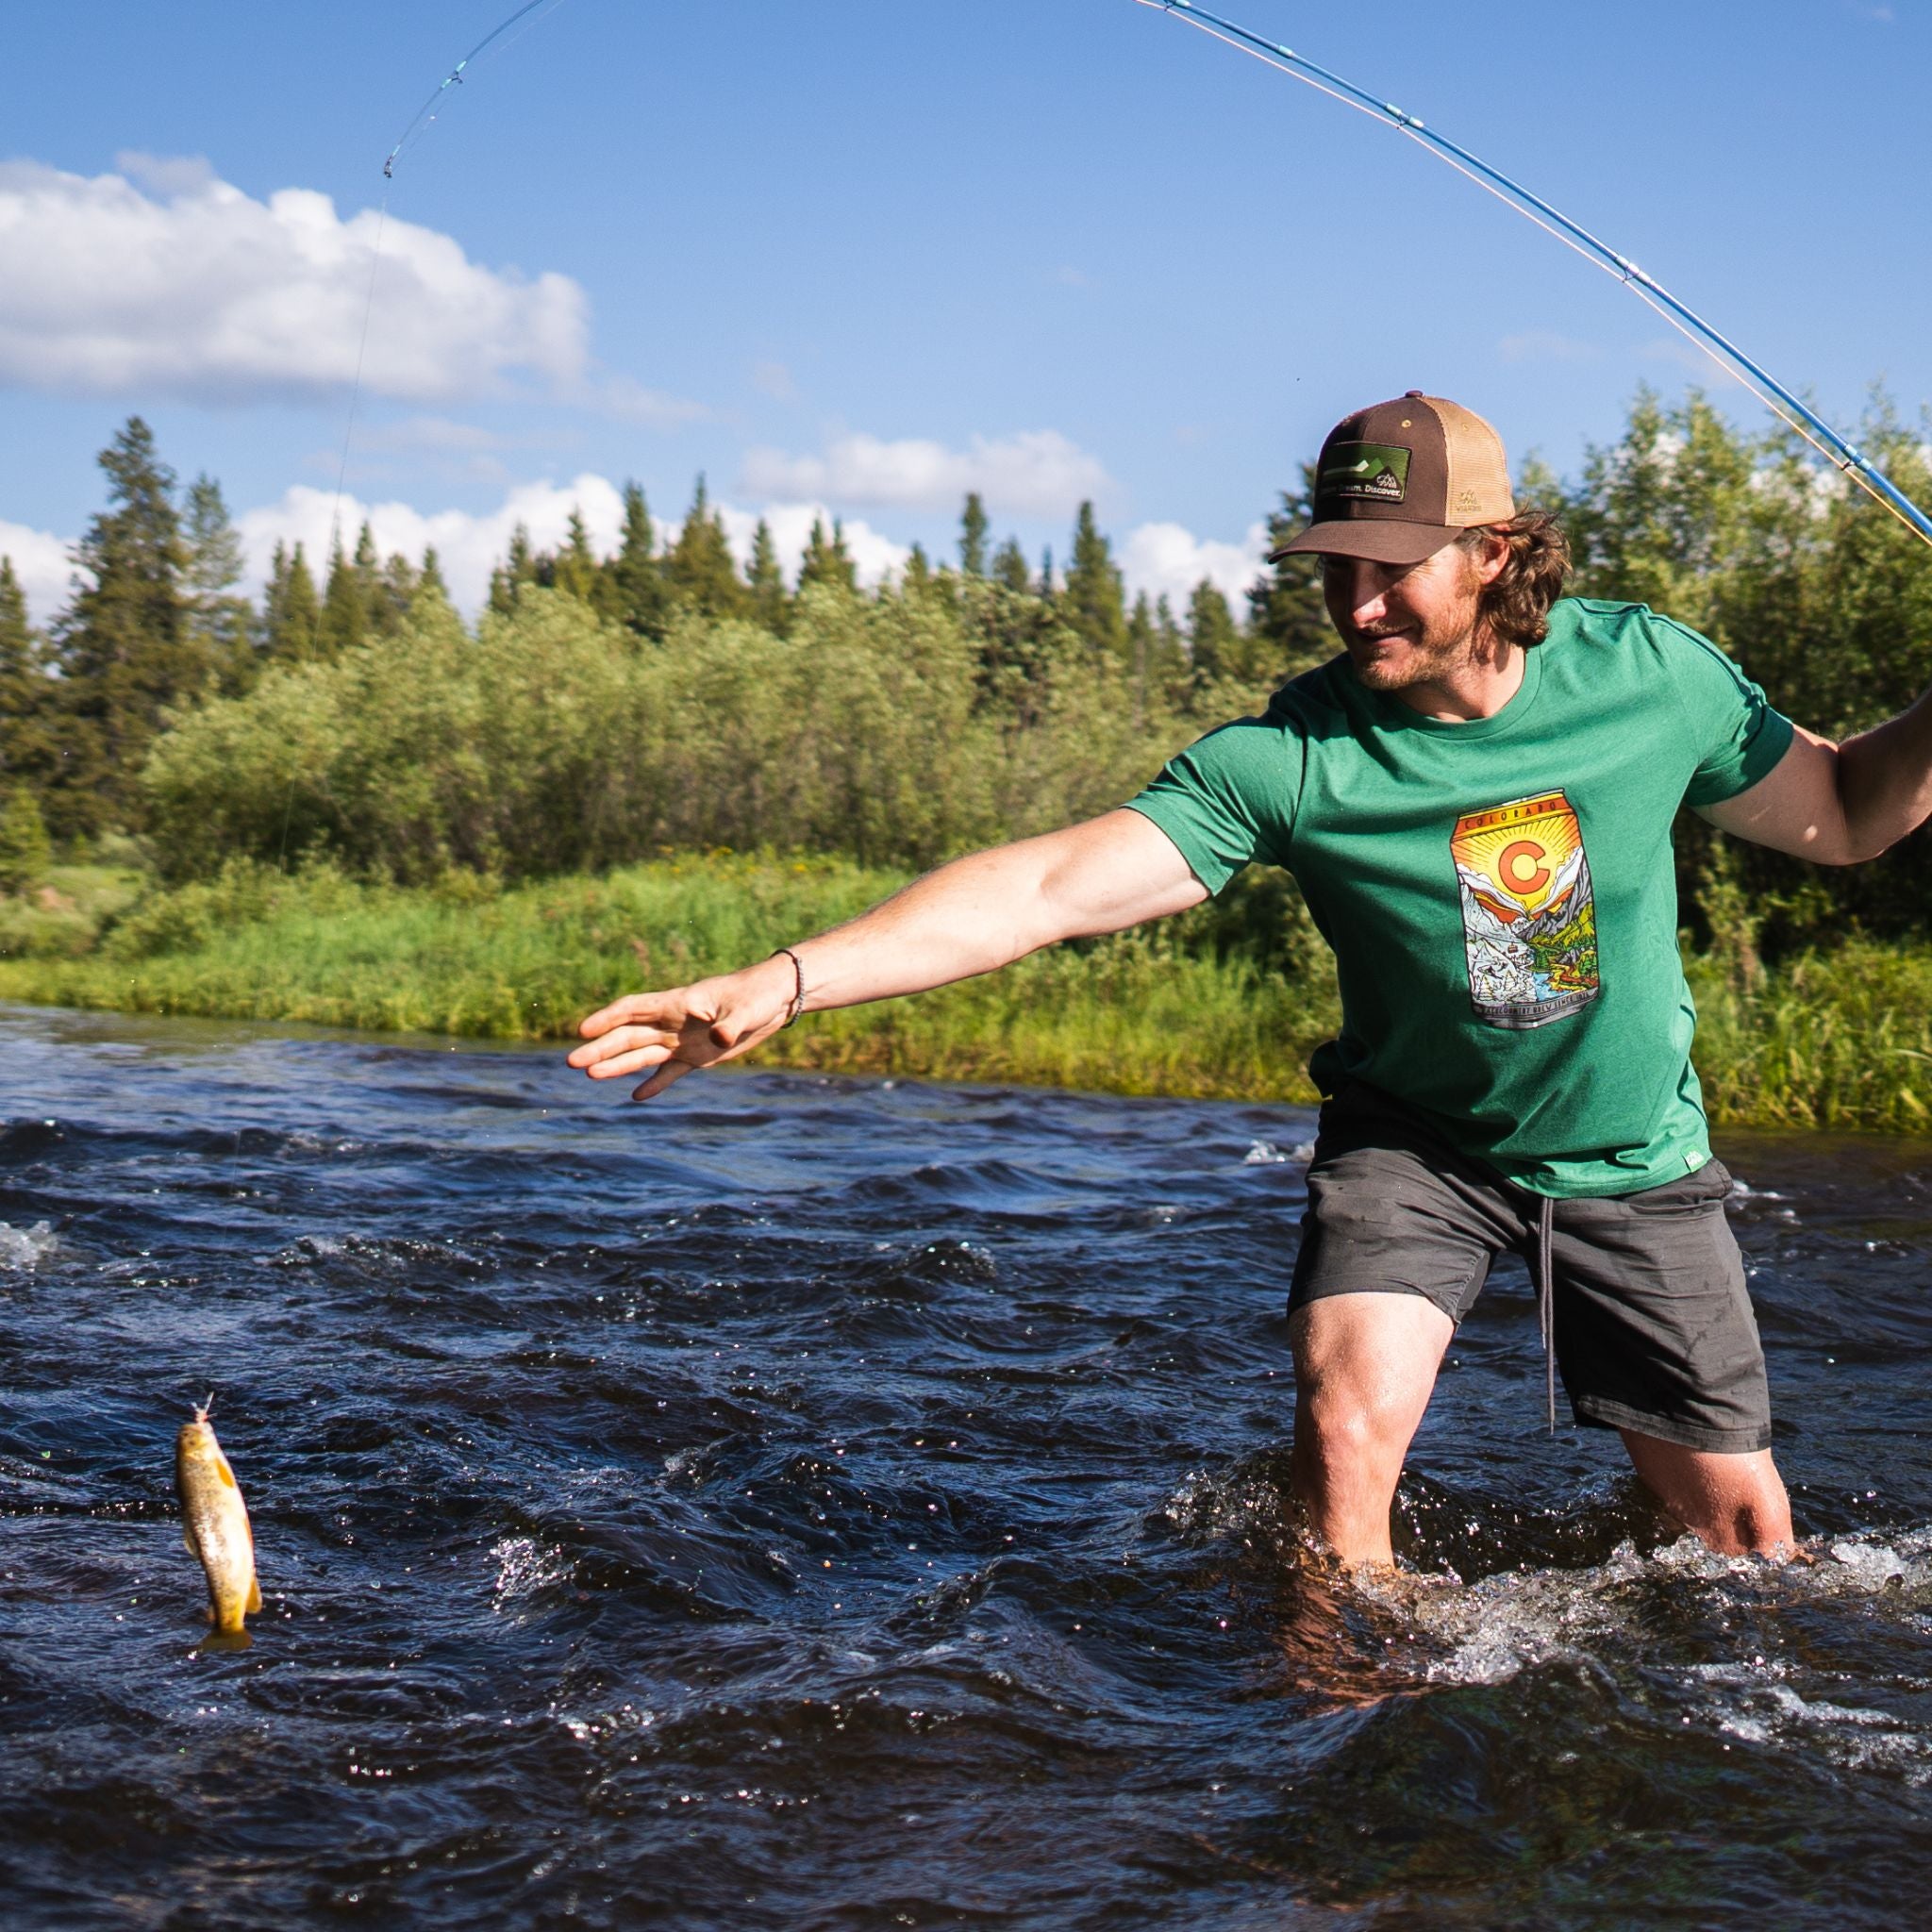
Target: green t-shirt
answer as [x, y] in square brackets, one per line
[1500, 894]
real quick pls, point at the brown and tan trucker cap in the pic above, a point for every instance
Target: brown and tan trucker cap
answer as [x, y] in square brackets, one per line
[1397, 481]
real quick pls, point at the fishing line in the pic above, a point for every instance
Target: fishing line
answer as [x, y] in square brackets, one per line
[530, 15]
[1787, 408]
[335, 522]
[527, 16]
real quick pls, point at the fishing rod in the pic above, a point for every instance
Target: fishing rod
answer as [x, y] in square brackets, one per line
[1776, 397]
[427, 111]
[420, 123]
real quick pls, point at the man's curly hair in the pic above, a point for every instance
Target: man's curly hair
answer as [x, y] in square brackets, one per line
[1516, 607]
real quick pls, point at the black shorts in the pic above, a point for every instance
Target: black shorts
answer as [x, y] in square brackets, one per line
[1653, 1326]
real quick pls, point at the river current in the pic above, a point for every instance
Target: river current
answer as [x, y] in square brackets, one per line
[824, 1503]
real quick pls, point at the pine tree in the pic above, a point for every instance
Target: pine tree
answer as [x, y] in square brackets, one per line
[219, 620]
[345, 612]
[917, 577]
[1094, 599]
[1168, 668]
[771, 605]
[25, 851]
[368, 576]
[518, 569]
[431, 595]
[1288, 630]
[290, 616]
[575, 571]
[702, 577]
[826, 560]
[396, 593]
[1009, 567]
[27, 695]
[973, 530]
[1140, 649]
[124, 645]
[638, 597]
[1213, 640]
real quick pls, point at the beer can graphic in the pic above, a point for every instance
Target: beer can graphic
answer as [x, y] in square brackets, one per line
[1528, 913]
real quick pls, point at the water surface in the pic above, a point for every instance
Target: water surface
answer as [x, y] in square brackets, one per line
[825, 1504]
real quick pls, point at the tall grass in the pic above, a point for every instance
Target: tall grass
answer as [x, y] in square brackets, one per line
[1839, 1040]
[1137, 1013]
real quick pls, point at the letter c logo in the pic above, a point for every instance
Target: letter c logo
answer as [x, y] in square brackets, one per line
[1521, 866]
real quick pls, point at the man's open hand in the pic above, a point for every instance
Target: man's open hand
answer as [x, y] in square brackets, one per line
[675, 1032]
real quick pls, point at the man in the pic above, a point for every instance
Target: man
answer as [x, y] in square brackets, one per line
[1475, 799]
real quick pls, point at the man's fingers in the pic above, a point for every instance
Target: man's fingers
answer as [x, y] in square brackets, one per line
[633, 1062]
[625, 1040]
[668, 1008]
[666, 1076]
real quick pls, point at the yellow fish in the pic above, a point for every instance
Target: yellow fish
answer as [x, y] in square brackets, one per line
[214, 1526]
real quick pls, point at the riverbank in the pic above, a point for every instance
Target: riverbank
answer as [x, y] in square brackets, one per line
[1839, 1040]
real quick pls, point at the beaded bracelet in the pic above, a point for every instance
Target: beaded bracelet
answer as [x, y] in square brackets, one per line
[798, 968]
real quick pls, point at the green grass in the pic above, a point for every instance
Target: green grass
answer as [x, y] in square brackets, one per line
[1133, 1014]
[1837, 1039]
[1840, 1039]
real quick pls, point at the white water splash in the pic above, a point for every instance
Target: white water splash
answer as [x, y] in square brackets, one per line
[1500, 1624]
[1266, 1153]
[23, 1249]
[525, 1566]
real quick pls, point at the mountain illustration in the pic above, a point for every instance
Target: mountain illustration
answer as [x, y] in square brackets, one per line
[1488, 913]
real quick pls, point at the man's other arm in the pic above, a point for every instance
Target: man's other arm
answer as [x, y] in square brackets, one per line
[973, 916]
[1839, 804]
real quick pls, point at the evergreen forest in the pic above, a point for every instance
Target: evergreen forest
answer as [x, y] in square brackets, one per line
[607, 710]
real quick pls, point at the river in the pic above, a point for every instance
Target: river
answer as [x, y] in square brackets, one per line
[824, 1503]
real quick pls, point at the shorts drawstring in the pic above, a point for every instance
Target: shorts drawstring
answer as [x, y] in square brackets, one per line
[1545, 1301]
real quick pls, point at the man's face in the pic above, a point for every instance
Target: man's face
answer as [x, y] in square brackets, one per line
[1405, 624]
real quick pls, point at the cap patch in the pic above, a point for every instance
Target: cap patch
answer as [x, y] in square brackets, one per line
[1367, 471]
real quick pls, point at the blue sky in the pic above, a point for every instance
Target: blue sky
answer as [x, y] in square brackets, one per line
[858, 256]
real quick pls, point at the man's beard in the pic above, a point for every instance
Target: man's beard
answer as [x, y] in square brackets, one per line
[1426, 661]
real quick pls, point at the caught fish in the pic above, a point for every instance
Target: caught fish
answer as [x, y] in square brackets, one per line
[214, 1526]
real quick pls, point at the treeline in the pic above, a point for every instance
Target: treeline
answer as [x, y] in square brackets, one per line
[604, 707]
[156, 629]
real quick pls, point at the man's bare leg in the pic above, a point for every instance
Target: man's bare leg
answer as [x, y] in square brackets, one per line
[1736, 1503]
[1364, 1367]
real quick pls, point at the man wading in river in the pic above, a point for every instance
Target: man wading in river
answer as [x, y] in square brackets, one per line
[1475, 799]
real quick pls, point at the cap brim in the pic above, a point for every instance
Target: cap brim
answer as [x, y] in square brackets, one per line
[1379, 539]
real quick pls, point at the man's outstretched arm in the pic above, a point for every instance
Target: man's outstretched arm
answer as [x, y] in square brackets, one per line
[1839, 805]
[973, 916]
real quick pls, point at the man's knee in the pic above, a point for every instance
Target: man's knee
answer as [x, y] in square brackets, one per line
[1347, 1416]
[1364, 1367]
[1736, 1503]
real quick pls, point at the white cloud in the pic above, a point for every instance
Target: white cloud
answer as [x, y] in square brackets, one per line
[775, 380]
[1546, 345]
[1679, 352]
[1038, 473]
[1168, 559]
[629, 401]
[875, 556]
[170, 281]
[167, 176]
[469, 546]
[41, 562]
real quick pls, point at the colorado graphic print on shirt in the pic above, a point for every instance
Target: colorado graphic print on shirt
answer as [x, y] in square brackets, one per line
[1528, 915]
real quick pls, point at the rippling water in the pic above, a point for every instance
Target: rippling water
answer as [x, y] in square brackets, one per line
[822, 1504]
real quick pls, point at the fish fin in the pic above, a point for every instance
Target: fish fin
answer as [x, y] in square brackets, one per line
[187, 1542]
[254, 1595]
